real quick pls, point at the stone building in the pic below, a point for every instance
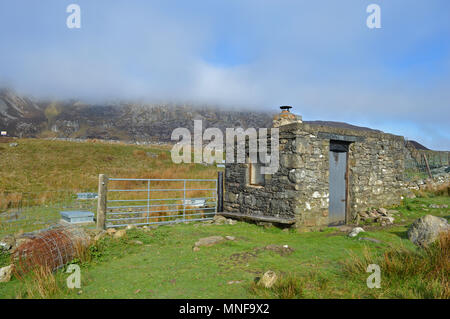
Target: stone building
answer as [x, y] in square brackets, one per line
[327, 174]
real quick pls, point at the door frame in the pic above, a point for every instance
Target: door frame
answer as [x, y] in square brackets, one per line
[346, 177]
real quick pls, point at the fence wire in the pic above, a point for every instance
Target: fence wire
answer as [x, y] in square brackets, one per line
[29, 211]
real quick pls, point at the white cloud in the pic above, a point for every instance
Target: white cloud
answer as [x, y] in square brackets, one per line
[318, 56]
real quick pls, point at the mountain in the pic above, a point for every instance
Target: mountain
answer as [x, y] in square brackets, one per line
[27, 117]
[418, 146]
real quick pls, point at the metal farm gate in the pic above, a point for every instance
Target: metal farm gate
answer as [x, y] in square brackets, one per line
[136, 201]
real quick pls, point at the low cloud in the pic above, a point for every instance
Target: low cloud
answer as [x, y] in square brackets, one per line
[319, 57]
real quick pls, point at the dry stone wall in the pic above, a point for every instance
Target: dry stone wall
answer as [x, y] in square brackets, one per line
[300, 188]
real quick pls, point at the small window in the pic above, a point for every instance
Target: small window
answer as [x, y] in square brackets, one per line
[255, 176]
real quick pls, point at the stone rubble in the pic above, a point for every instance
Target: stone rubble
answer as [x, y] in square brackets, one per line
[381, 215]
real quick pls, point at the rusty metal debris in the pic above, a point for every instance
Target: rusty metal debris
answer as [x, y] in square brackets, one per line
[51, 248]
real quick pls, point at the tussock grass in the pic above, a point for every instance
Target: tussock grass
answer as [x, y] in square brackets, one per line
[288, 286]
[420, 273]
[40, 283]
[293, 286]
[433, 191]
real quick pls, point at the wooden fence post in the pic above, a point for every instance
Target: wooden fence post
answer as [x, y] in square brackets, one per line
[428, 166]
[101, 207]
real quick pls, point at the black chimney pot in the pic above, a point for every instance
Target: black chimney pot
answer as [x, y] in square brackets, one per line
[286, 107]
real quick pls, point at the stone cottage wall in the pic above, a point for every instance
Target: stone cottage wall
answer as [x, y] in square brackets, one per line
[299, 190]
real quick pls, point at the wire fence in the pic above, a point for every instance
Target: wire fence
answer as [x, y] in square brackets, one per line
[30, 211]
[419, 164]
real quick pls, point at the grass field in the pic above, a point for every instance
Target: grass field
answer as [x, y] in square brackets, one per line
[39, 178]
[48, 170]
[325, 264]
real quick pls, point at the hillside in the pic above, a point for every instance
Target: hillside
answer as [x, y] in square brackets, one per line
[43, 169]
[125, 121]
[25, 117]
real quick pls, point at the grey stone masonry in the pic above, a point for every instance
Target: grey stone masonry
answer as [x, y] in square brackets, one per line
[300, 188]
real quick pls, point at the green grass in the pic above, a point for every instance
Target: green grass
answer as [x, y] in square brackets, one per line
[45, 166]
[165, 266]
[39, 178]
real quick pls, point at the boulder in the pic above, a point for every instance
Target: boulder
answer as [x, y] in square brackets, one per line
[427, 229]
[209, 241]
[6, 273]
[355, 231]
[268, 279]
[382, 211]
[230, 237]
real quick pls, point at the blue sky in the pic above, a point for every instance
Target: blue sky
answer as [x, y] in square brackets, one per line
[318, 56]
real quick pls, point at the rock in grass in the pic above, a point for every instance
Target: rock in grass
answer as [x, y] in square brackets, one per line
[219, 220]
[355, 231]
[268, 279]
[120, 233]
[230, 237]
[7, 242]
[6, 273]
[209, 241]
[427, 229]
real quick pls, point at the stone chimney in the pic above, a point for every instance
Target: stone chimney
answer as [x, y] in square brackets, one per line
[286, 117]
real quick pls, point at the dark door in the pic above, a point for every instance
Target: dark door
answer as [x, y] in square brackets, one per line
[338, 184]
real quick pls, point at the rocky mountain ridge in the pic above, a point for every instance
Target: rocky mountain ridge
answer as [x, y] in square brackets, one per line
[27, 117]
